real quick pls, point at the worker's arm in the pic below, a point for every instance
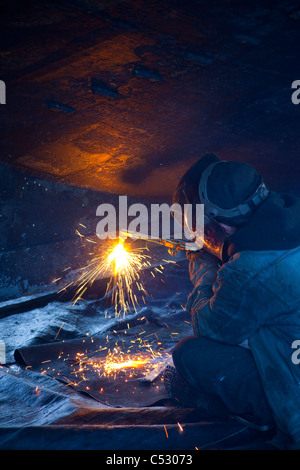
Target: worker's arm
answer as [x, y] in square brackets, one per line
[217, 301]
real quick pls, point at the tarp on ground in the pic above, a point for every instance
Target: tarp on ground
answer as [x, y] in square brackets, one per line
[56, 352]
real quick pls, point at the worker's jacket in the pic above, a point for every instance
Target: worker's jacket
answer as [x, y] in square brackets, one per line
[255, 296]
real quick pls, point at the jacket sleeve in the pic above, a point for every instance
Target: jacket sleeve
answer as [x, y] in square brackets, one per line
[218, 301]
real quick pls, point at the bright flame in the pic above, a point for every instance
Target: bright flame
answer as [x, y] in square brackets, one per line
[127, 267]
[110, 367]
[123, 268]
[120, 257]
[118, 361]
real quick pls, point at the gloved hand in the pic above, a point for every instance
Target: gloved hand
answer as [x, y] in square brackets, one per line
[203, 267]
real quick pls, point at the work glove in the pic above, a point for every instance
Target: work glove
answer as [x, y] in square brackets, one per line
[203, 267]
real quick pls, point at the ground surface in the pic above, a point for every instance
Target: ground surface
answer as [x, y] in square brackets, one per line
[51, 400]
[116, 97]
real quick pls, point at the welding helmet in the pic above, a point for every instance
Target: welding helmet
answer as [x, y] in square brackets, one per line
[229, 191]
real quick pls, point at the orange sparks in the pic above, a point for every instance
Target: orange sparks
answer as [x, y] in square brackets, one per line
[127, 266]
[110, 367]
[59, 331]
[180, 427]
[117, 361]
[122, 267]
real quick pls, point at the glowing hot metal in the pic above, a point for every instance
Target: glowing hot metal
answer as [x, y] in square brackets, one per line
[122, 267]
[111, 366]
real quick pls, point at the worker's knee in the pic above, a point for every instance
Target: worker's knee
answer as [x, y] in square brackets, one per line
[193, 354]
[183, 350]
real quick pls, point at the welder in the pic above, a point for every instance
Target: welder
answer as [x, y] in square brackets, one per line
[244, 304]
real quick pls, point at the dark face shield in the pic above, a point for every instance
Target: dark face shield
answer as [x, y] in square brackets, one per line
[205, 232]
[237, 192]
[188, 215]
[214, 237]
